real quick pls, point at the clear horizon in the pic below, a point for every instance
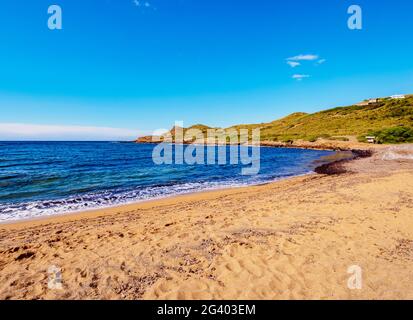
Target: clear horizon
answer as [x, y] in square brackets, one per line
[121, 69]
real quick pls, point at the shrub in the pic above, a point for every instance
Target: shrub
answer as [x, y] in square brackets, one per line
[362, 138]
[394, 135]
[401, 111]
[339, 139]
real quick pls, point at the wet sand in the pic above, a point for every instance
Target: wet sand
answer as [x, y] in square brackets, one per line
[292, 239]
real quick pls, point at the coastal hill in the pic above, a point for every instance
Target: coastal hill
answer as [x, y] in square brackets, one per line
[390, 119]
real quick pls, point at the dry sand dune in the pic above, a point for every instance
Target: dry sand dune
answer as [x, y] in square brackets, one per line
[293, 239]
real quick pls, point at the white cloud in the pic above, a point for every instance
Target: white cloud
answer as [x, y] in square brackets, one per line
[22, 131]
[300, 77]
[293, 64]
[141, 4]
[297, 61]
[304, 57]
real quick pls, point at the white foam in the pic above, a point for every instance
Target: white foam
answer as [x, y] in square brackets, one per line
[99, 200]
[34, 209]
[399, 153]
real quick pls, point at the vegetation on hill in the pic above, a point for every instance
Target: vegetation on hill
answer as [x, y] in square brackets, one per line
[392, 135]
[340, 122]
[337, 123]
[389, 119]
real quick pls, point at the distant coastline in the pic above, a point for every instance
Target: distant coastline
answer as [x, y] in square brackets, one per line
[318, 145]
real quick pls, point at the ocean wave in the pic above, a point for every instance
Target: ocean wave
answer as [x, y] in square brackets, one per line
[22, 163]
[99, 175]
[97, 200]
[105, 199]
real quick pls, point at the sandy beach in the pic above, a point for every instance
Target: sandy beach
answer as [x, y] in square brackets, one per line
[291, 239]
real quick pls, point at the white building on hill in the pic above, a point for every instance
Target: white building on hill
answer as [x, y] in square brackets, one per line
[398, 96]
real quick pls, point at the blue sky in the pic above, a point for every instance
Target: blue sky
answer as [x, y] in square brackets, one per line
[137, 68]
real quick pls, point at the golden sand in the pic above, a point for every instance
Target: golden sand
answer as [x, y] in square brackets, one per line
[292, 239]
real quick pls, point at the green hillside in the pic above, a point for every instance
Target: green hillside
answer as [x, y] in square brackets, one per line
[389, 119]
[334, 123]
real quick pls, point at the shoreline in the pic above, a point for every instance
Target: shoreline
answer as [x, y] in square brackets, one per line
[292, 239]
[330, 167]
[338, 166]
[320, 144]
[93, 213]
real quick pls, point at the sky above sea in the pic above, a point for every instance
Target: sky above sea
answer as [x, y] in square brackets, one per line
[122, 68]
